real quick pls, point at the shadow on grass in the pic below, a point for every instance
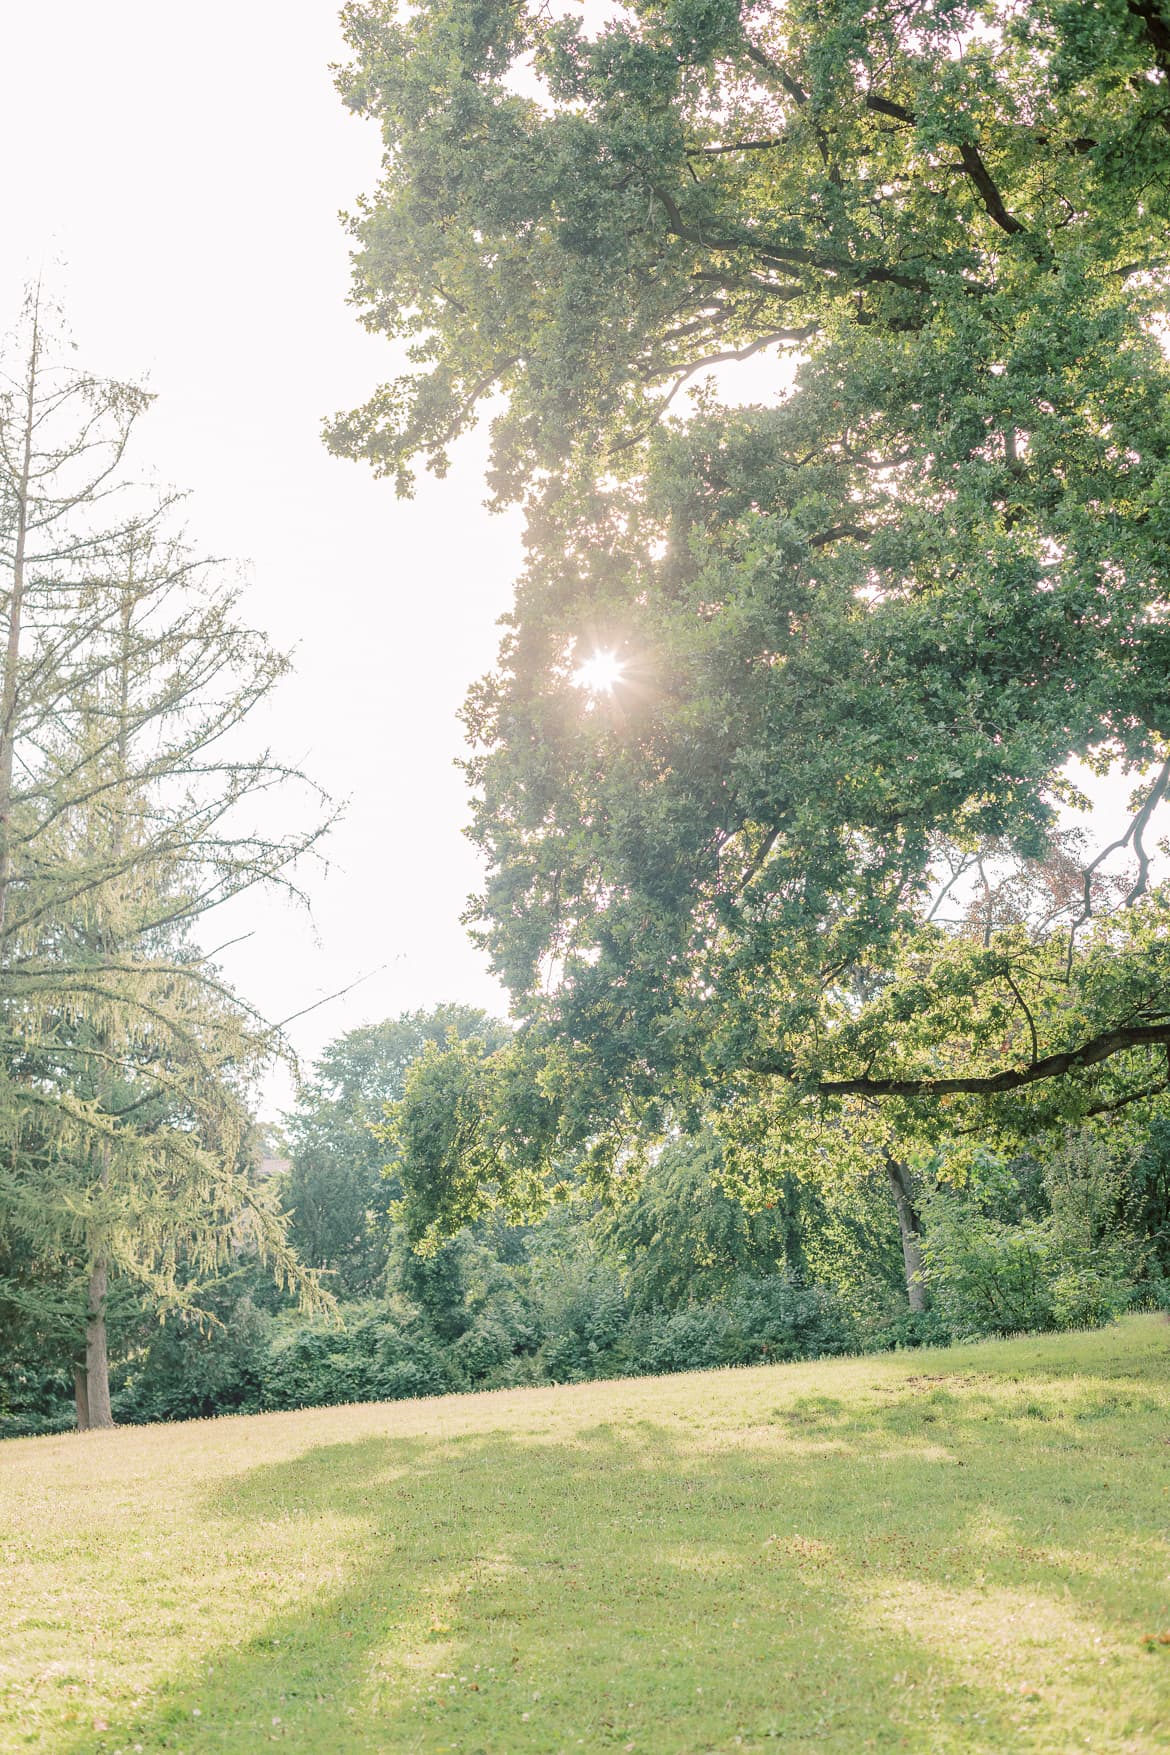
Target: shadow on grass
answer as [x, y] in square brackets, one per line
[637, 1588]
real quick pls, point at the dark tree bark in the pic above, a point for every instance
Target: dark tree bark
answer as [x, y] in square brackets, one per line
[97, 1367]
[910, 1225]
[81, 1398]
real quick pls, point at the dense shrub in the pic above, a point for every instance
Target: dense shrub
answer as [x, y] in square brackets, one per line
[1079, 1264]
[780, 1317]
[191, 1369]
[986, 1277]
[759, 1319]
[504, 1324]
[696, 1338]
[1149, 1204]
[374, 1353]
[584, 1312]
[34, 1399]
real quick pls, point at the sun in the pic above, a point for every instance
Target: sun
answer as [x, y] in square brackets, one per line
[600, 673]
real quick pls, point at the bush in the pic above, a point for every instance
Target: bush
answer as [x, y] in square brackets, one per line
[191, 1370]
[759, 1319]
[781, 1317]
[1075, 1267]
[486, 1345]
[583, 1313]
[987, 1277]
[1085, 1298]
[375, 1353]
[33, 1400]
[696, 1338]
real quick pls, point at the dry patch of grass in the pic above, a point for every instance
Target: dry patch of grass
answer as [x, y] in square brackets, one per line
[959, 1551]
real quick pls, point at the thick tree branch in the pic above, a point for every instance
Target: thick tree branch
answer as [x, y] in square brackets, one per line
[737, 146]
[791, 87]
[992, 199]
[886, 107]
[858, 532]
[1052, 1066]
[1155, 29]
[971, 159]
[793, 255]
[1144, 1095]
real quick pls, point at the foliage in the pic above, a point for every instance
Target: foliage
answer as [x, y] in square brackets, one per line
[585, 213]
[128, 810]
[586, 1315]
[191, 1368]
[1149, 1201]
[857, 634]
[684, 1237]
[1079, 1263]
[380, 1356]
[590, 1293]
[757, 1320]
[336, 1191]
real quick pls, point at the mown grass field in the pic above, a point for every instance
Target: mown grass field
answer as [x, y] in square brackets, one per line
[963, 1550]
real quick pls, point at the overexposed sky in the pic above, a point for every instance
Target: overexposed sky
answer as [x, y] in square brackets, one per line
[177, 174]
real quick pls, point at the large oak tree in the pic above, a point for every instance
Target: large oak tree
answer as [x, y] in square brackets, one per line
[857, 634]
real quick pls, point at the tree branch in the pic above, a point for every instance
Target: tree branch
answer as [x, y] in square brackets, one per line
[1155, 29]
[1051, 1066]
[737, 146]
[794, 255]
[1023, 1005]
[886, 107]
[992, 199]
[785, 80]
[1138, 825]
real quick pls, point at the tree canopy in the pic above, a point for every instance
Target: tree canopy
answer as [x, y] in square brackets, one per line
[583, 217]
[337, 1190]
[804, 839]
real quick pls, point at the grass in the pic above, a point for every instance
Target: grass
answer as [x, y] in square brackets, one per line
[961, 1550]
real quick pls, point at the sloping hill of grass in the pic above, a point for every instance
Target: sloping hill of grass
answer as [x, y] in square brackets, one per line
[962, 1550]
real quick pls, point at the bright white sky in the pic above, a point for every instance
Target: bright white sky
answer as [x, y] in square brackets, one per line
[178, 174]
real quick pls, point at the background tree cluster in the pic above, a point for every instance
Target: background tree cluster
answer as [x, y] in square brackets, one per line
[676, 1274]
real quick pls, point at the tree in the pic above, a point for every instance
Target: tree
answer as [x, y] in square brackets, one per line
[125, 799]
[854, 639]
[685, 1238]
[585, 218]
[337, 1190]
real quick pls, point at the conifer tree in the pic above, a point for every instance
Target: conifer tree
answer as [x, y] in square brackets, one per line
[127, 812]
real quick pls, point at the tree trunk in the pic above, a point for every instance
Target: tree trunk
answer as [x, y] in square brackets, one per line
[910, 1225]
[81, 1398]
[97, 1367]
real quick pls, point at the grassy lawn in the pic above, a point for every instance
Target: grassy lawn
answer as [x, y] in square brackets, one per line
[963, 1550]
